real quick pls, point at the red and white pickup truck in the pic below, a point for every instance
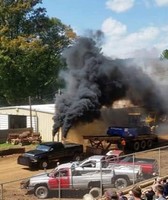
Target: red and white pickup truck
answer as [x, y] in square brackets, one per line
[149, 166]
[72, 177]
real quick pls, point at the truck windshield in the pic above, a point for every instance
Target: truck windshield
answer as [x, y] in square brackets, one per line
[52, 173]
[43, 148]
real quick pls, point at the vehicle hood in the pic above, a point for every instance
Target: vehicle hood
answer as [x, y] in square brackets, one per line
[40, 177]
[33, 153]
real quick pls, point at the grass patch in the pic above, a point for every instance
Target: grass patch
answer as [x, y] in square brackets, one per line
[6, 146]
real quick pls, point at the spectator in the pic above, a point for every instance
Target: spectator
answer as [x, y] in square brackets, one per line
[130, 195]
[110, 195]
[159, 189]
[149, 194]
[156, 182]
[137, 192]
[121, 196]
[165, 185]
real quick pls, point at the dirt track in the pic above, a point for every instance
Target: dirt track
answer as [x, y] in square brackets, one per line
[11, 171]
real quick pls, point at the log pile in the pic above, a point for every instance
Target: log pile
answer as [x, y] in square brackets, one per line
[24, 138]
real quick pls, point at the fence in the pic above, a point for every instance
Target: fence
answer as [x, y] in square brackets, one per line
[11, 189]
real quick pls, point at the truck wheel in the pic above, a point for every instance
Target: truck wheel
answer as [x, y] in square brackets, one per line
[95, 192]
[120, 183]
[41, 192]
[136, 146]
[149, 144]
[77, 157]
[43, 164]
[143, 144]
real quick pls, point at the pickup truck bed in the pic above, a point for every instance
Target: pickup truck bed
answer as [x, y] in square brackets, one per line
[149, 166]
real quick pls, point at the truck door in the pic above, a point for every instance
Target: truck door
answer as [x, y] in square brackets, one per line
[61, 179]
[56, 152]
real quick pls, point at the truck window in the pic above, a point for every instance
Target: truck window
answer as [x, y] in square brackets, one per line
[89, 164]
[104, 163]
[111, 158]
[43, 148]
[61, 173]
[58, 146]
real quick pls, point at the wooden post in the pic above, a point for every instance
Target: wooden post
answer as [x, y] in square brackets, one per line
[2, 191]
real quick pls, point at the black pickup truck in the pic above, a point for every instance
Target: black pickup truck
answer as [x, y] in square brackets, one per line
[47, 152]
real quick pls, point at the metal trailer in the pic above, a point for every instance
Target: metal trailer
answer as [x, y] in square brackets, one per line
[102, 144]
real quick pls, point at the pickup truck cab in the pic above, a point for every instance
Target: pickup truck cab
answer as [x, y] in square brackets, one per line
[67, 177]
[47, 152]
[100, 164]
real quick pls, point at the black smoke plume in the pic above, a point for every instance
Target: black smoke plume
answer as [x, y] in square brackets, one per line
[94, 80]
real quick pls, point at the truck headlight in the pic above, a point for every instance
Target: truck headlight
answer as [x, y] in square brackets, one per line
[24, 184]
[34, 160]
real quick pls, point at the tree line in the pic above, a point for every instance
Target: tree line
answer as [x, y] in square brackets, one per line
[30, 52]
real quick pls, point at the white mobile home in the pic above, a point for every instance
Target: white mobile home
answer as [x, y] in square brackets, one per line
[39, 117]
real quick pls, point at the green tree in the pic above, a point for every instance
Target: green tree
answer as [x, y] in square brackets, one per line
[30, 52]
[164, 54]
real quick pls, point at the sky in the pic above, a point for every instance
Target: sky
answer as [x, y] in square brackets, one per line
[131, 28]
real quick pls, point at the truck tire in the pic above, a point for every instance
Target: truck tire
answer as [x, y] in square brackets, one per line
[43, 164]
[121, 182]
[95, 192]
[143, 144]
[149, 144]
[136, 146]
[41, 192]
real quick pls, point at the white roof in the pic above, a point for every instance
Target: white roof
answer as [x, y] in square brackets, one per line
[66, 165]
[47, 108]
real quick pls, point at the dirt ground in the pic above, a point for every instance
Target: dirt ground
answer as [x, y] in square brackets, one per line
[11, 171]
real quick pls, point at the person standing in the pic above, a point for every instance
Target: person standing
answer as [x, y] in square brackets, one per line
[121, 196]
[149, 194]
[137, 193]
[159, 190]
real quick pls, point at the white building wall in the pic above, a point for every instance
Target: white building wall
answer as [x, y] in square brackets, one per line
[45, 124]
[43, 120]
[34, 123]
[4, 122]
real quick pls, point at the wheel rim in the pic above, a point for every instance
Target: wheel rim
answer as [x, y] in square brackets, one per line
[44, 164]
[41, 192]
[77, 157]
[95, 192]
[121, 183]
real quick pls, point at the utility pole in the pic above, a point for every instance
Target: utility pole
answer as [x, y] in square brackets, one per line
[30, 112]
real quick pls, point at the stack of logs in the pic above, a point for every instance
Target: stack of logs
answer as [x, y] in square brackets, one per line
[24, 138]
